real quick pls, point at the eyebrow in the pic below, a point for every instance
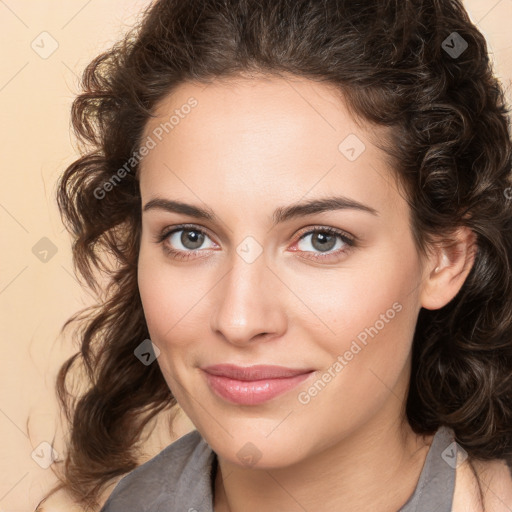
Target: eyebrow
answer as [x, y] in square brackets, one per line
[281, 214]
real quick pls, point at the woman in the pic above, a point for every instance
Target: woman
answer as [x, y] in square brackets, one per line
[307, 205]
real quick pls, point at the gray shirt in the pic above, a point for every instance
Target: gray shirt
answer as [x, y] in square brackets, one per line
[181, 477]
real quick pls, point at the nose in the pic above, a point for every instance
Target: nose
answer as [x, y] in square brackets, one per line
[248, 303]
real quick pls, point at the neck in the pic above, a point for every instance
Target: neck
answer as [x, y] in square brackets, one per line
[376, 467]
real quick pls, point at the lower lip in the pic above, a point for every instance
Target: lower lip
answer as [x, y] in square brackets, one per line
[253, 392]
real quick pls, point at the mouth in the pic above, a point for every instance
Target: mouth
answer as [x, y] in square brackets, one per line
[252, 385]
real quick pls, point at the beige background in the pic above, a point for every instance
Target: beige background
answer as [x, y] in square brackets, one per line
[36, 297]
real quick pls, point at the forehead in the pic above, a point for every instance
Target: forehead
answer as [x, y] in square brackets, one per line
[252, 106]
[265, 136]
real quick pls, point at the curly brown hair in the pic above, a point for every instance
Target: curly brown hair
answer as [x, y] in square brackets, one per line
[451, 147]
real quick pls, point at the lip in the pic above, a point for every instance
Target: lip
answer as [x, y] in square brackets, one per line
[252, 385]
[255, 372]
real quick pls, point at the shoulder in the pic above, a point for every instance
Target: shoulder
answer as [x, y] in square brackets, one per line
[160, 479]
[495, 478]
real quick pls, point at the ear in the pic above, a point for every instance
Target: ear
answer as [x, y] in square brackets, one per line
[446, 269]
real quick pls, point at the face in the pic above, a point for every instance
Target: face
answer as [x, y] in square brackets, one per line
[332, 290]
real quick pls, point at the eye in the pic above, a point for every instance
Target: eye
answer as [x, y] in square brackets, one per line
[186, 241]
[325, 239]
[183, 241]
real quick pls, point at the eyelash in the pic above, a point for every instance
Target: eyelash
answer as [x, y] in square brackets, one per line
[349, 241]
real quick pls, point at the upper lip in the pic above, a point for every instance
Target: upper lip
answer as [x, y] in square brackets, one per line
[256, 372]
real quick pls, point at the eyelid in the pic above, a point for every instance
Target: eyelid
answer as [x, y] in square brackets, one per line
[329, 229]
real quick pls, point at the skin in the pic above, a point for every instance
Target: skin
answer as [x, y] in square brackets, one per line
[496, 482]
[247, 148]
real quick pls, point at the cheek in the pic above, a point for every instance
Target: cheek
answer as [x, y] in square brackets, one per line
[155, 300]
[367, 357]
[173, 301]
[368, 314]
[167, 301]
